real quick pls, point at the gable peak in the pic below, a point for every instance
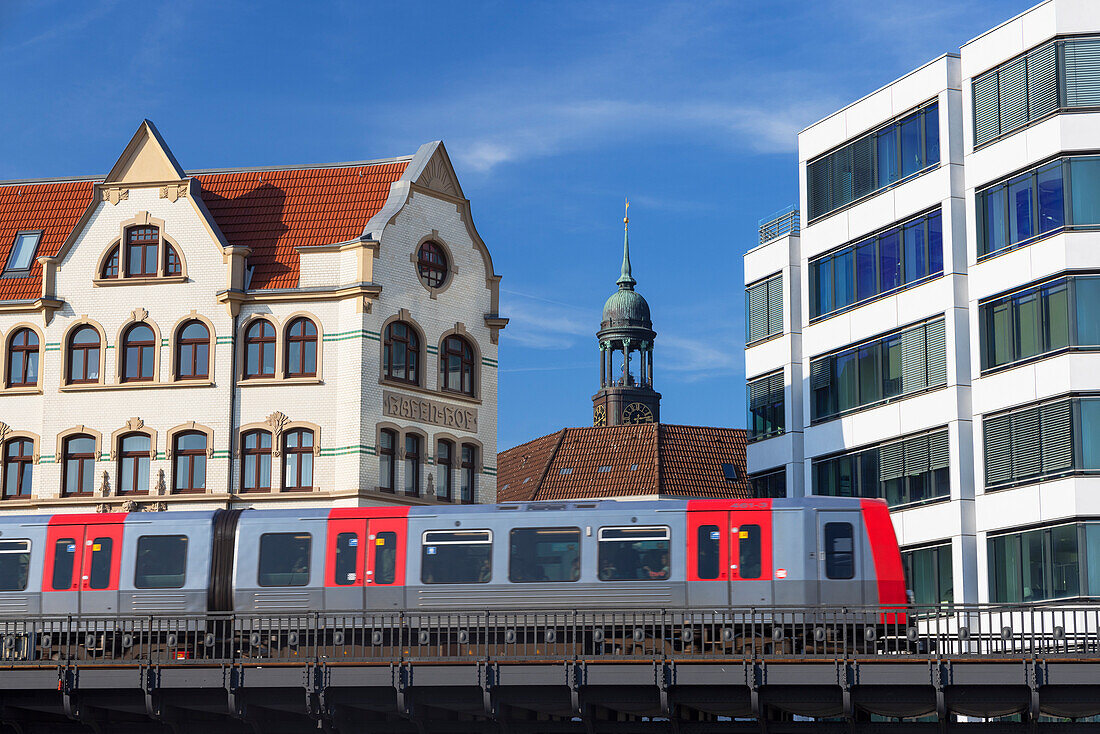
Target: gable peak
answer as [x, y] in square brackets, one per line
[146, 159]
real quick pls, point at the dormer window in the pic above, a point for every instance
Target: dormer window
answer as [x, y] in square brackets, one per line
[141, 251]
[22, 254]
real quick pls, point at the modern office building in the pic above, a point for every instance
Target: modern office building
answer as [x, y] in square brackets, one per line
[276, 336]
[928, 334]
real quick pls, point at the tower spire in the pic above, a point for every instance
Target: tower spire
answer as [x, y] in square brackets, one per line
[626, 281]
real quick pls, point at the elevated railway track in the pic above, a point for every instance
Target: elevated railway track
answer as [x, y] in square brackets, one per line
[754, 669]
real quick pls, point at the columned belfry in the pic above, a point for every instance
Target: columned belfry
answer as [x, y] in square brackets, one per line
[626, 354]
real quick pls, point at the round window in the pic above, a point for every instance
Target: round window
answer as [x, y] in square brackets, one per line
[431, 264]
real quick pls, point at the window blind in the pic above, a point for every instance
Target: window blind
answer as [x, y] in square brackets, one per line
[1082, 72]
[1012, 83]
[914, 364]
[937, 353]
[987, 124]
[997, 445]
[775, 305]
[1056, 434]
[1025, 446]
[1042, 80]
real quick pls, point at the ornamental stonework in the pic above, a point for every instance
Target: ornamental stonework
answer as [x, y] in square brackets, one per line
[425, 410]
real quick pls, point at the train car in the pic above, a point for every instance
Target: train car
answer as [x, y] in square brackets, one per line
[668, 554]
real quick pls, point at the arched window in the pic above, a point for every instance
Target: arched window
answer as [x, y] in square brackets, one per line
[18, 460]
[110, 265]
[412, 464]
[431, 265]
[298, 460]
[79, 467]
[401, 353]
[138, 361]
[23, 359]
[301, 349]
[259, 349]
[141, 251]
[189, 455]
[84, 355]
[133, 463]
[456, 365]
[172, 265]
[445, 458]
[469, 472]
[387, 464]
[256, 464]
[193, 352]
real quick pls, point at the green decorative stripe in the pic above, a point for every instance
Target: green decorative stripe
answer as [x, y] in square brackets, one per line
[357, 448]
[489, 362]
[45, 459]
[164, 342]
[490, 470]
[224, 340]
[160, 456]
[354, 334]
[53, 346]
[222, 454]
[104, 457]
[110, 346]
[433, 350]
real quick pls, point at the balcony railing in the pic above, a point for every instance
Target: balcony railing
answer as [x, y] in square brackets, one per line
[781, 223]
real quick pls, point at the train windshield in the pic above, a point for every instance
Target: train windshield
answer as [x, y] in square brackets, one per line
[15, 563]
[457, 557]
[544, 554]
[634, 554]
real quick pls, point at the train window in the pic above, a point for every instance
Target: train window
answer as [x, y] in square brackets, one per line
[544, 554]
[634, 554]
[161, 562]
[99, 574]
[284, 559]
[709, 550]
[748, 552]
[840, 560]
[64, 557]
[385, 558]
[15, 563]
[457, 557]
[347, 557]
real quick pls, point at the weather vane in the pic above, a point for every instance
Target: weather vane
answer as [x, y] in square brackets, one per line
[626, 216]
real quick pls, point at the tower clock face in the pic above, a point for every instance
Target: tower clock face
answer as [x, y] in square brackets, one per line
[637, 413]
[599, 416]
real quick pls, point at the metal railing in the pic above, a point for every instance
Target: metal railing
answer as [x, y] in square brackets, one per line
[781, 223]
[831, 633]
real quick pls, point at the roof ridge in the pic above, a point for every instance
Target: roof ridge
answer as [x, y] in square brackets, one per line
[549, 463]
[212, 171]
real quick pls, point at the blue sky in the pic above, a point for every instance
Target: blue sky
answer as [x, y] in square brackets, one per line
[551, 111]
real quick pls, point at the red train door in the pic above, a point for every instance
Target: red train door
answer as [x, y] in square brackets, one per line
[386, 555]
[82, 567]
[751, 557]
[345, 563]
[708, 549]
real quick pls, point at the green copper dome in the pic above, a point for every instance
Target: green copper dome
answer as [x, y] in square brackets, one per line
[625, 307]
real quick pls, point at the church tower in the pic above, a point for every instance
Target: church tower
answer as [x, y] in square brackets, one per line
[626, 354]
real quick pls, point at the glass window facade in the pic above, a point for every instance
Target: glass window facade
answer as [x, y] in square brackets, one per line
[885, 262]
[905, 472]
[900, 363]
[764, 309]
[769, 485]
[1042, 441]
[1056, 76]
[1040, 319]
[1058, 562]
[1059, 194]
[928, 575]
[879, 159]
[766, 406]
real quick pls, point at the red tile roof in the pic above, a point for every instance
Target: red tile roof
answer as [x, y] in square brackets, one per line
[650, 459]
[53, 208]
[272, 211]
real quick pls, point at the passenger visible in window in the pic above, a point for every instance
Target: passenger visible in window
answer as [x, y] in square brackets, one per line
[608, 571]
[661, 569]
[485, 573]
